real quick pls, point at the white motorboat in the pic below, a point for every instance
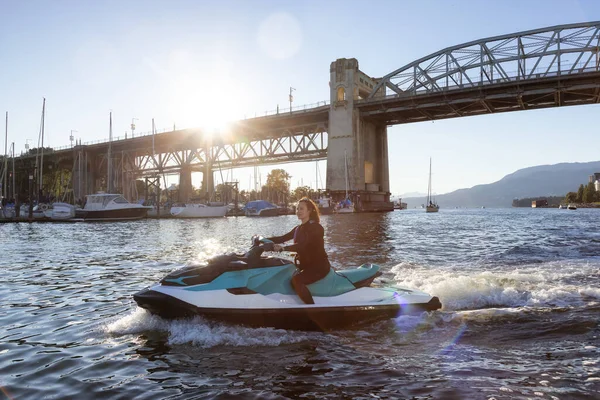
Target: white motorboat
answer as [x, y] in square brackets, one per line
[60, 211]
[110, 207]
[193, 210]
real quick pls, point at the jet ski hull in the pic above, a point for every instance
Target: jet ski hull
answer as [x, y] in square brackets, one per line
[306, 318]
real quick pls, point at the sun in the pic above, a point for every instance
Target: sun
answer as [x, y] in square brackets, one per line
[209, 104]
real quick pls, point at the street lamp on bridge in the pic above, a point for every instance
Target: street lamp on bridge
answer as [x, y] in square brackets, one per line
[71, 137]
[133, 127]
[291, 98]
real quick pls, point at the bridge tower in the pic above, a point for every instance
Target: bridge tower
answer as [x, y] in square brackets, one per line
[357, 148]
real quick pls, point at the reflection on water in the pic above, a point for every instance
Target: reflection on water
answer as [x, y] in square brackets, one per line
[520, 289]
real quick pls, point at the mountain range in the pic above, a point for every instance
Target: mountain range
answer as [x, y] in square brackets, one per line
[541, 180]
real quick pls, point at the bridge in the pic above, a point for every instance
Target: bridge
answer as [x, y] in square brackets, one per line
[550, 67]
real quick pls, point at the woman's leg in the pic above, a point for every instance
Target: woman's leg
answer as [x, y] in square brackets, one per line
[306, 277]
[301, 289]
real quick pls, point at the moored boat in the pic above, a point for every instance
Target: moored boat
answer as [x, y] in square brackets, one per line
[60, 211]
[110, 207]
[260, 208]
[194, 210]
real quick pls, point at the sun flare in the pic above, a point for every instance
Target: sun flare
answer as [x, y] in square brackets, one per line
[209, 101]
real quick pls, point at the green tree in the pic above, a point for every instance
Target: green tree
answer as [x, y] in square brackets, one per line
[278, 186]
[300, 192]
[589, 193]
[580, 193]
[587, 196]
[571, 197]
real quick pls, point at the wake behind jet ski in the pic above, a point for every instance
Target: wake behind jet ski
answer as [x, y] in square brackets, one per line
[255, 290]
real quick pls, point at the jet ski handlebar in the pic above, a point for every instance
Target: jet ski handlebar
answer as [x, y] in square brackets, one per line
[259, 245]
[259, 241]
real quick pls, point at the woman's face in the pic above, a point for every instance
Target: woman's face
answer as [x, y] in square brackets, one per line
[302, 211]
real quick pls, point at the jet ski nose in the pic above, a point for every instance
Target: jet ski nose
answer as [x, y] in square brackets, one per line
[161, 304]
[434, 304]
[146, 297]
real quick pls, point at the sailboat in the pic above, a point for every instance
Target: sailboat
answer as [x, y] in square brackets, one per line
[431, 206]
[110, 206]
[345, 206]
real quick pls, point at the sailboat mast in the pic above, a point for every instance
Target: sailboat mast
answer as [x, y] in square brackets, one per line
[429, 184]
[317, 176]
[346, 170]
[109, 161]
[5, 173]
[42, 148]
[14, 196]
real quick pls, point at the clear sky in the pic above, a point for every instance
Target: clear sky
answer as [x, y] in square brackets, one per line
[199, 63]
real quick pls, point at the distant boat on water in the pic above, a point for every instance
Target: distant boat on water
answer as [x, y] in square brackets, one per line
[431, 205]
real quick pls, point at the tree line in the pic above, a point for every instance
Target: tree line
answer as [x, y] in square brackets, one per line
[585, 194]
[276, 190]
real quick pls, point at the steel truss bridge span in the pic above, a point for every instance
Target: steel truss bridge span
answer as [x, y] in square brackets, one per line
[274, 139]
[549, 67]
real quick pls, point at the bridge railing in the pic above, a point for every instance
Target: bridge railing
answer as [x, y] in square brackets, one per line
[297, 109]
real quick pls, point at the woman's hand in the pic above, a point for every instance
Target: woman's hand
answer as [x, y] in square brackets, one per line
[277, 247]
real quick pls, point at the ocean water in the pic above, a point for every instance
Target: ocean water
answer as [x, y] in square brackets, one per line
[520, 290]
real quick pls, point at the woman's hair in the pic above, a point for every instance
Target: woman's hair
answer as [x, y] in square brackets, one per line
[313, 210]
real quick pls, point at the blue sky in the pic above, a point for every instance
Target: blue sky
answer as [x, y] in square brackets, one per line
[197, 63]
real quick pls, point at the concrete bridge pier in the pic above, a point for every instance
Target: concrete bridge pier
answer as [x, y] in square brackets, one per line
[357, 155]
[185, 184]
[208, 178]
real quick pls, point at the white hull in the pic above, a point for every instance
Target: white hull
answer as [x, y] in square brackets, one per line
[345, 210]
[198, 211]
[61, 211]
[366, 296]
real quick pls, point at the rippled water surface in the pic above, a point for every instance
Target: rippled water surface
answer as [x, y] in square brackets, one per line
[520, 289]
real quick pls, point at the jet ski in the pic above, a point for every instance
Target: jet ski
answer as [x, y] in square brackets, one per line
[256, 291]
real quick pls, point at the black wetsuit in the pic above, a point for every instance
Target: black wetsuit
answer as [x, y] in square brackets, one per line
[310, 248]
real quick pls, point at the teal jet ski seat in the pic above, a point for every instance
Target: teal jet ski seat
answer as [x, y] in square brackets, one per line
[339, 282]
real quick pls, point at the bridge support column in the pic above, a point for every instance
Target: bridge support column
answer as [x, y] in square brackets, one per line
[185, 184]
[128, 177]
[357, 149]
[208, 179]
[84, 173]
[208, 183]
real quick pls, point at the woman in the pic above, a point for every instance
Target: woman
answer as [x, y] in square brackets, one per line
[309, 247]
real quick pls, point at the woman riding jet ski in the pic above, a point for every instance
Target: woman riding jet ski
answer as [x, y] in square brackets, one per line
[262, 291]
